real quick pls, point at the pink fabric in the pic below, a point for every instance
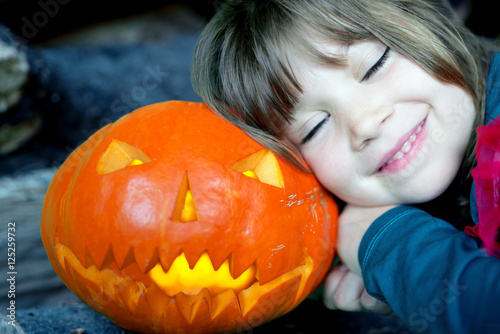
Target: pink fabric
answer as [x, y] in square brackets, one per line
[487, 178]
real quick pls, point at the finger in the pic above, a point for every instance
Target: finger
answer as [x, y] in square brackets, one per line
[332, 282]
[348, 294]
[372, 304]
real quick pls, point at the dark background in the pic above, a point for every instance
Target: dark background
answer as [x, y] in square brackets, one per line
[80, 63]
[75, 14]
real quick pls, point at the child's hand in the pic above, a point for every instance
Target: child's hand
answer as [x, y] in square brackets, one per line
[353, 223]
[344, 288]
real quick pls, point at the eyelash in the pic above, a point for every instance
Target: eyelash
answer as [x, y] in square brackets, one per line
[377, 65]
[315, 130]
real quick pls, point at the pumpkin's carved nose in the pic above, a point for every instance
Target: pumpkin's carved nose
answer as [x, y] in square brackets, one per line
[185, 209]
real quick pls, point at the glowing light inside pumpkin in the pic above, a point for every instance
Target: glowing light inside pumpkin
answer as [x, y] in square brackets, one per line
[180, 278]
[251, 174]
[135, 162]
[262, 166]
[185, 207]
[189, 211]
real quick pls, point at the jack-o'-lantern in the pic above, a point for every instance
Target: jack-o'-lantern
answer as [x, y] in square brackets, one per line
[173, 220]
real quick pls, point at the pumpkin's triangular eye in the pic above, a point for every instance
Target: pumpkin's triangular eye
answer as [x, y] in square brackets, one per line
[261, 165]
[119, 155]
[185, 209]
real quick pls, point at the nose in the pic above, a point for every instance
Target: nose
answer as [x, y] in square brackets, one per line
[368, 125]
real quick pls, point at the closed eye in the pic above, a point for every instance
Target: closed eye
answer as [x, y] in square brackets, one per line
[315, 130]
[377, 65]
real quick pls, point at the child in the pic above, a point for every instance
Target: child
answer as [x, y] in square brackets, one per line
[381, 99]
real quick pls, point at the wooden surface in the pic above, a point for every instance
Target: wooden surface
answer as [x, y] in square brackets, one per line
[21, 201]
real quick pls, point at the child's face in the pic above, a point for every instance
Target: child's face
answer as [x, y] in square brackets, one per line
[380, 130]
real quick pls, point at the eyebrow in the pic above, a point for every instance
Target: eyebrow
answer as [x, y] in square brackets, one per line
[339, 59]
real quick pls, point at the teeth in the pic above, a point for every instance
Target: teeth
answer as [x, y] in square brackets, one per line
[181, 278]
[406, 146]
[130, 294]
[396, 156]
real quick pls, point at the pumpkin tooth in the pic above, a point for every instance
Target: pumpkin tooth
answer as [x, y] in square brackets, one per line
[294, 283]
[71, 274]
[60, 251]
[124, 259]
[143, 311]
[257, 273]
[239, 264]
[242, 270]
[287, 283]
[100, 261]
[305, 270]
[280, 260]
[157, 299]
[275, 298]
[130, 292]
[167, 260]
[223, 301]
[191, 306]
[218, 259]
[97, 287]
[193, 258]
[66, 259]
[146, 263]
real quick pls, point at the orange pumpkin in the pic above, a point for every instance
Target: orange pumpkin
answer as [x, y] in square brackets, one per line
[173, 220]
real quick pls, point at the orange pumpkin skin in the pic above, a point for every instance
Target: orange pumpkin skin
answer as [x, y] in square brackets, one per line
[105, 232]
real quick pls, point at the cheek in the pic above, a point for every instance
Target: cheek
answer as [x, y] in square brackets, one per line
[332, 169]
[457, 111]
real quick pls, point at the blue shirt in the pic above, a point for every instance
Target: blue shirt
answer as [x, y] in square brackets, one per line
[435, 278]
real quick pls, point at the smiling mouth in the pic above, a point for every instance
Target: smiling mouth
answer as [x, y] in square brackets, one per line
[393, 160]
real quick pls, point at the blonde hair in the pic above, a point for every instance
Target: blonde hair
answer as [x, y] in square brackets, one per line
[241, 64]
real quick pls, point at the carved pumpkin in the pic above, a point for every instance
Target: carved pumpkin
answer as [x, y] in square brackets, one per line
[173, 220]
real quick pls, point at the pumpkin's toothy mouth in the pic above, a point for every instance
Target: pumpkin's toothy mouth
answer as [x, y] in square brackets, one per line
[129, 285]
[181, 278]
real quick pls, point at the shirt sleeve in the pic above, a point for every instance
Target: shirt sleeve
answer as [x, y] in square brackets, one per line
[435, 277]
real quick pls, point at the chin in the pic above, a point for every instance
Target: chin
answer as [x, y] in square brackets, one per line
[422, 193]
[409, 196]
